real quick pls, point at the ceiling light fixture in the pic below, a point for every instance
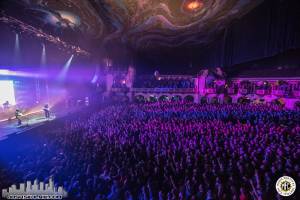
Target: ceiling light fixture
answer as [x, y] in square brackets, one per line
[194, 5]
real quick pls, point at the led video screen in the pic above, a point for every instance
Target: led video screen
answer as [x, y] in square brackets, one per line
[7, 92]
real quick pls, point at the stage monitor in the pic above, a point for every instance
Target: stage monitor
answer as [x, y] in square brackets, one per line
[7, 92]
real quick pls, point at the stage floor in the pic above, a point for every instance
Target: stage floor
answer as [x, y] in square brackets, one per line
[10, 127]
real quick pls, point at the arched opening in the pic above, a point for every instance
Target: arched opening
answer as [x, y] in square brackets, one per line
[203, 100]
[227, 99]
[244, 100]
[164, 98]
[176, 98]
[214, 100]
[280, 102]
[189, 98]
[139, 99]
[259, 101]
[152, 99]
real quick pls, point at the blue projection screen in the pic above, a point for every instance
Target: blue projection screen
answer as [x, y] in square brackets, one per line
[7, 92]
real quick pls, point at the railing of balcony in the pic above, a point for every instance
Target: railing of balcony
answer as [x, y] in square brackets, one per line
[211, 91]
[278, 92]
[163, 90]
[262, 92]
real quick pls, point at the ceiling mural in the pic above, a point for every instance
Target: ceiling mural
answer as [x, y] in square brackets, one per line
[140, 24]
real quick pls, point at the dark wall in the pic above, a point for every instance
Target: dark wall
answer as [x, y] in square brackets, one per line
[282, 65]
[270, 29]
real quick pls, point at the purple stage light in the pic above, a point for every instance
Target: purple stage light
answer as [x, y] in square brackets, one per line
[43, 56]
[96, 75]
[17, 49]
[65, 69]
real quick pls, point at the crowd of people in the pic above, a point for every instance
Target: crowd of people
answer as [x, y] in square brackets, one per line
[164, 151]
[157, 82]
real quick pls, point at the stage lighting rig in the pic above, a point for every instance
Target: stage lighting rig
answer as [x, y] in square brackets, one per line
[23, 27]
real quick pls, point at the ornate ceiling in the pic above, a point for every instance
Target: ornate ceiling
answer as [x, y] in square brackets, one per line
[140, 24]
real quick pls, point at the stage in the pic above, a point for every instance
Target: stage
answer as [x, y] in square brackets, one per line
[10, 127]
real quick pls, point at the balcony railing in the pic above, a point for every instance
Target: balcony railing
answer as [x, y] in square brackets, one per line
[278, 92]
[211, 91]
[164, 90]
[262, 92]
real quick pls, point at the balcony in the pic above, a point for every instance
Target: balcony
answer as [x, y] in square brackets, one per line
[164, 90]
[262, 92]
[278, 92]
[120, 89]
[211, 91]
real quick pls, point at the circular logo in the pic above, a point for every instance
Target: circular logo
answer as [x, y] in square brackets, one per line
[285, 186]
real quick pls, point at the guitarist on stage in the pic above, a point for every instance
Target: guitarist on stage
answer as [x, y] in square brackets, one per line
[18, 114]
[47, 111]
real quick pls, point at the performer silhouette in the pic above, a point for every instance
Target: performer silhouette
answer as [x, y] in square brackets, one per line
[6, 105]
[47, 111]
[18, 114]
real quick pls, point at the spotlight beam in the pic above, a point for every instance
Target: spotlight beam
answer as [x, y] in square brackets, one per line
[64, 71]
[43, 56]
[17, 49]
[96, 75]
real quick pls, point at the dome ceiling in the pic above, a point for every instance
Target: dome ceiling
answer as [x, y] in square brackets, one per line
[139, 24]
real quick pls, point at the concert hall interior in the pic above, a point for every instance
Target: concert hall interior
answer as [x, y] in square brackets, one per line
[150, 99]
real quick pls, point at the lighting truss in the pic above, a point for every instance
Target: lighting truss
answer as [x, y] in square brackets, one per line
[23, 27]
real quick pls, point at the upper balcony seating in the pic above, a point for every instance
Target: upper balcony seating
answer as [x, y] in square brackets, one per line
[153, 82]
